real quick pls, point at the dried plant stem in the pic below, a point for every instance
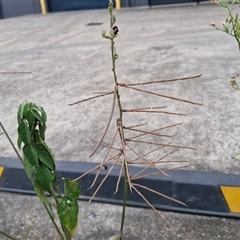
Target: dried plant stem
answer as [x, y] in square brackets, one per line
[158, 129]
[158, 193]
[153, 150]
[92, 169]
[108, 124]
[135, 126]
[162, 95]
[149, 108]
[143, 170]
[176, 168]
[106, 176]
[9, 84]
[158, 172]
[162, 144]
[15, 72]
[104, 160]
[151, 206]
[7, 235]
[159, 81]
[87, 99]
[146, 133]
[1, 133]
[150, 163]
[152, 111]
[119, 177]
[104, 144]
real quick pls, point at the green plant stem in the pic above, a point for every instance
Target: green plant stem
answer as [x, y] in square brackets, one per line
[54, 197]
[53, 221]
[234, 26]
[115, 80]
[126, 186]
[20, 158]
[66, 233]
[6, 235]
[13, 146]
[125, 196]
[65, 230]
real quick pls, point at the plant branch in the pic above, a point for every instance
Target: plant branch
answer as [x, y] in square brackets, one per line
[161, 144]
[110, 170]
[9, 84]
[104, 160]
[132, 128]
[108, 124]
[158, 193]
[99, 166]
[87, 99]
[15, 72]
[145, 159]
[152, 111]
[7, 235]
[153, 150]
[119, 177]
[155, 173]
[143, 170]
[145, 133]
[162, 95]
[53, 221]
[158, 81]
[104, 144]
[10, 140]
[151, 206]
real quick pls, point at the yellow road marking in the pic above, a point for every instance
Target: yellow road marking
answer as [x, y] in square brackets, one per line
[232, 197]
[1, 171]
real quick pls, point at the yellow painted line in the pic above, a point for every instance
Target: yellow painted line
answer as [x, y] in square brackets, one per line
[232, 197]
[118, 4]
[43, 6]
[1, 171]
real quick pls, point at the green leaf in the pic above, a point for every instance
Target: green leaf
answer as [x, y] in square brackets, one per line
[68, 213]
[26, 108]
[35, 107]
[37, 137]
[31, 155]
[30, 118]
[72, 189]
[49, 149]
[44, 156]
[115, 237]
[19, 141]
[44, 115]
[24, 132]
[28, 168]
[37, 116]
[20, 112]
[104, 35]
[41, 194]
[42, 129]
[45, 177]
